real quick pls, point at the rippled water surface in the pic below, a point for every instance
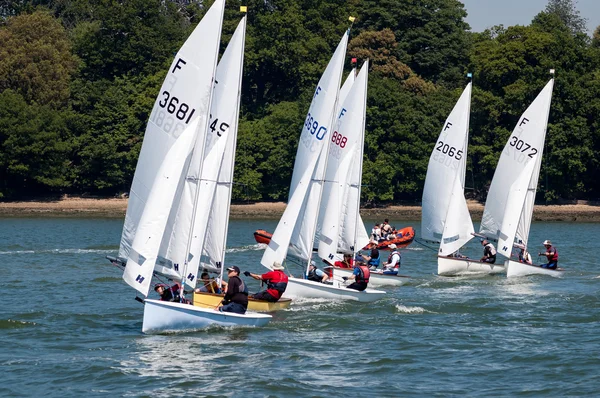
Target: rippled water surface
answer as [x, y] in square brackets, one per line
[69, 326]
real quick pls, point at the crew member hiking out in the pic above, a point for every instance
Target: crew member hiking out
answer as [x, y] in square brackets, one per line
[276, 281]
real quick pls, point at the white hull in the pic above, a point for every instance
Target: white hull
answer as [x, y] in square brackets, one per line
[515, 268]
[454, 266]
[298, 288]
[165, 316]
[375, 280]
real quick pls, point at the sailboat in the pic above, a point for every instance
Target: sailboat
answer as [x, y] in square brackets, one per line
[297, 227]
[187, 157]
[521, 157]
[445, 217]
[341, 228]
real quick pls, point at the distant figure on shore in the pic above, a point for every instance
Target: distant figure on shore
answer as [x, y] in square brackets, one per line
[489, 252]
[551, 254]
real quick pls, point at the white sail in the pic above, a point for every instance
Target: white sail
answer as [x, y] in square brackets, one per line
[184, 97]
[144, 250]
[326, 186]
[526, 142]
[300, 217]
[458, 227]
[226, 107]
[514, 210]
[345, 154]
[448, 160]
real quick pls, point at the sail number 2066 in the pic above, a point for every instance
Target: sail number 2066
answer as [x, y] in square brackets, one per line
[173, 106]
[449, 150]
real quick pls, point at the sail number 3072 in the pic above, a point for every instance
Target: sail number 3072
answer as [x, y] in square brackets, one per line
[522, 146]
[173, 106]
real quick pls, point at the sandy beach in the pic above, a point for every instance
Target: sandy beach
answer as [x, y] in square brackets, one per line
[77, 207]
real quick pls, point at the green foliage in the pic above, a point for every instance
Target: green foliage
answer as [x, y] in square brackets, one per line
[78, 80]
[36, 59]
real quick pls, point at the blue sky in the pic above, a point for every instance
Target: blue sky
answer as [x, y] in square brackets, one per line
[487, 13]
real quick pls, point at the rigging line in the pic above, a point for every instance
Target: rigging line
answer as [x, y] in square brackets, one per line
[424, 245]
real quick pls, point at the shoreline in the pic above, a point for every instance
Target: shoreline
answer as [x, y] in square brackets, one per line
[116, 208]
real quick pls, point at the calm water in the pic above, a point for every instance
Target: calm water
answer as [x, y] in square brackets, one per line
[69, 326]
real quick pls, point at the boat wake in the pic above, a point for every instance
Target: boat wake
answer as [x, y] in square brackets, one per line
[410, 310]
[248, 248]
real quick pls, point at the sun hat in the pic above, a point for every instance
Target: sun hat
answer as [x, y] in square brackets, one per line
[277, 265]
[547, 243]
[312, 262]
[392, 246]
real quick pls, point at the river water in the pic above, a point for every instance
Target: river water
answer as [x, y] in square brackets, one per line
[70, 326]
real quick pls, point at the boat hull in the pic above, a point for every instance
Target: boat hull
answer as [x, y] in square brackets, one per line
[454, 266]
[211, 300]
[376, 279]
[516, 269]
[165, 316]
[262, 236]
[303, 288]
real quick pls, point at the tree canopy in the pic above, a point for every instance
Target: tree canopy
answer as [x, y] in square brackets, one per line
[78, 79]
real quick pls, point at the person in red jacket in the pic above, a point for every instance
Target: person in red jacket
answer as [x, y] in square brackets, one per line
[551, 254]
[276, 280]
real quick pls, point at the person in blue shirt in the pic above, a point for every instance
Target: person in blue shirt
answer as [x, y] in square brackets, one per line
[372, 259]
[315, 274]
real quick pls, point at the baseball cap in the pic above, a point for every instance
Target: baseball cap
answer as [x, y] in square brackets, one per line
[234, 268]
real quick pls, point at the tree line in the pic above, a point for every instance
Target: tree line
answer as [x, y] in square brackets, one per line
[78, 79]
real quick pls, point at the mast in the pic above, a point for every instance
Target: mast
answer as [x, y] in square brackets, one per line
[360, 160]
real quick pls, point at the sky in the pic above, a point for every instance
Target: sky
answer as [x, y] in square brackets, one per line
[484, 14]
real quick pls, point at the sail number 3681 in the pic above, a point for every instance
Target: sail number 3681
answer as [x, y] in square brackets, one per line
[449, 150]
[171, 105]
[522, 146]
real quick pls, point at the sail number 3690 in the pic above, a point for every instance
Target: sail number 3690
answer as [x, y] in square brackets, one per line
[171, 105]
[312, 125]
[522, 146]
[449, 150]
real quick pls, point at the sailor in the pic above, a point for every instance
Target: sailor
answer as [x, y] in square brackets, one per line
[315, 274]
[551, 254]
[236, 293]
[372, 259]
[361, 277]
[393, 263]
[525, 257]
[375, 234]
[489, 252]
[209, 285]
[167, 293]
[386, 229]
[276, 280]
